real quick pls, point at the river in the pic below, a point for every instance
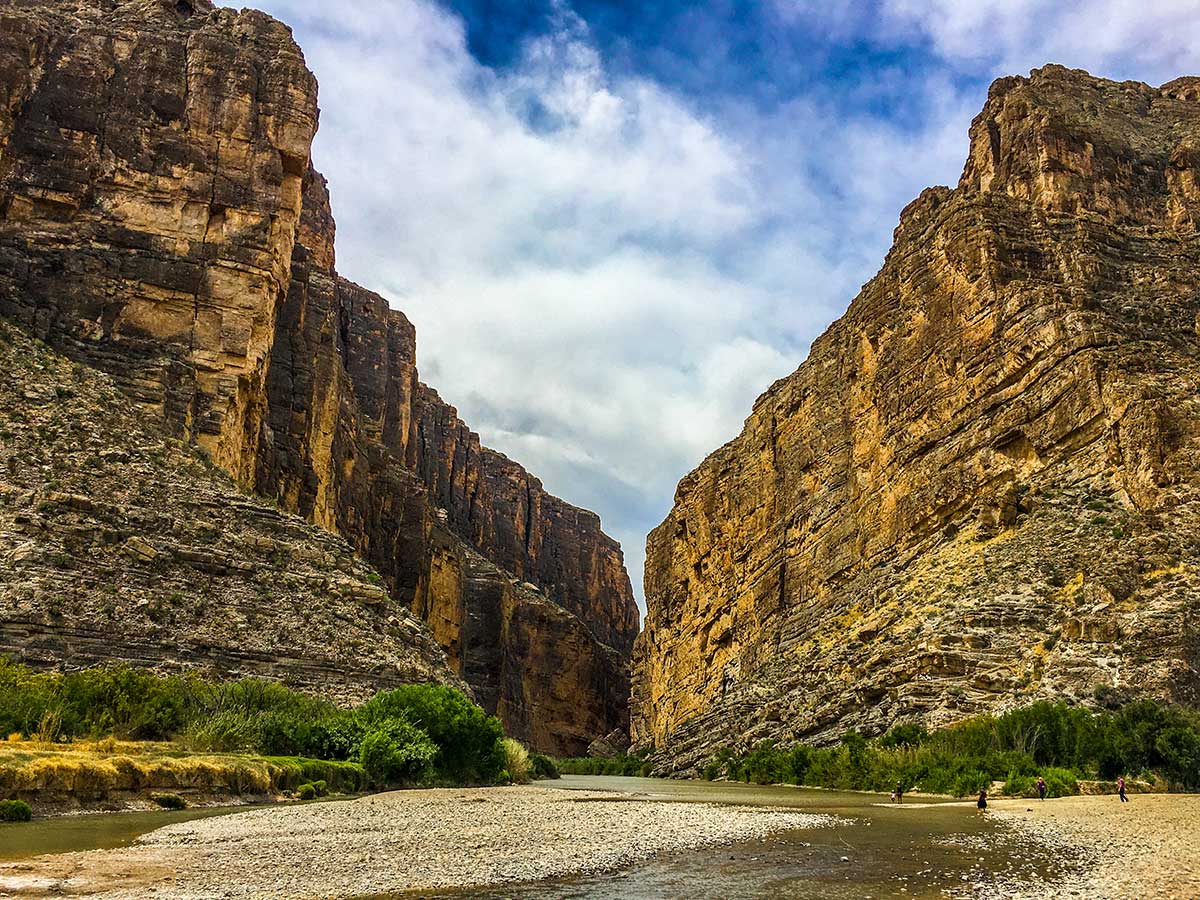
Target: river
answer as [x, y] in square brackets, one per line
[922, 850]
[927, 849]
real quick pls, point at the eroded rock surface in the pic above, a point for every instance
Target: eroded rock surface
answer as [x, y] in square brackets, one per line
[160, 220]
[981, 487]
[120, 542]
[529, 598]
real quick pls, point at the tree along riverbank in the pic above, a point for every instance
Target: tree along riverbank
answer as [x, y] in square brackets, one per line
[1155, 746]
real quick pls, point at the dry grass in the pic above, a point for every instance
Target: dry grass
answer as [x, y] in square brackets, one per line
[93, 770]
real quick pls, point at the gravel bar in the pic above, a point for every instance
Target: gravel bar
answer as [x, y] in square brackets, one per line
[1148, 847]
[395, 842]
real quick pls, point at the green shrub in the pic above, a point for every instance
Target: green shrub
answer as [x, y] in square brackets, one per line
[623, 764]
[543, 767]
[1019, 785]
[289, 772]
[306, 792]
[908, 734]
[248, 715]
[321, 787]
[397, 753]
[169, 801]
[15, 811]
[1060, 782]
[1055, 740]
[468, 741]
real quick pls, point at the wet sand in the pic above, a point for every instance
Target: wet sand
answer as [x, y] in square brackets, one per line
[1148, 847]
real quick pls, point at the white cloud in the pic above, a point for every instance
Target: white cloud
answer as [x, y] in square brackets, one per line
[603, 277]
[1152, 41]
[602, 274]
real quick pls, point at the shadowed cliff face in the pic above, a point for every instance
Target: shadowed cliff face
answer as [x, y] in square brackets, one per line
[160, 220]
[980, 489]
[528, 597]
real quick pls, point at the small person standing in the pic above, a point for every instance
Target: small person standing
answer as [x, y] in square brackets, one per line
[899, 792]
[1041, 786]
[1121, 789]
[982, 801]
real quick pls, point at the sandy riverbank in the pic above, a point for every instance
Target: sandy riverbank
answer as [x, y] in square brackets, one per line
[1149, 847]
[410, 840]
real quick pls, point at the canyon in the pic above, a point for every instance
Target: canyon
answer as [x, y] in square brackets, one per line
[162, 226]
[981, 488]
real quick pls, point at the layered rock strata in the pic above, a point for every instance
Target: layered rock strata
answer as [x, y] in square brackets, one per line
[160, 220]
[981, 488]
[153, 156]
[354, 441]
[121, 543]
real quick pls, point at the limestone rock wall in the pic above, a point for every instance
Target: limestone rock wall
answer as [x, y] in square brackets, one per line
[506, 514]
[120, 542]
[151, 161]
[353, 441]
[532, 662]
[160, 220]
[981, 486]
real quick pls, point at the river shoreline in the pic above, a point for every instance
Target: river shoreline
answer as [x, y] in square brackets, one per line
[397, 842]
[501, 838]
[1148, 847]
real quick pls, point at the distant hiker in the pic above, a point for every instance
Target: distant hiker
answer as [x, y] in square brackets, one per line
[899, 792]
[1121, 789]
[1041, 786]
[982, 801]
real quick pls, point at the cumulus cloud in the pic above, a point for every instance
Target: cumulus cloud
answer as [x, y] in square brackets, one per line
[1150, 41]
[604, 272]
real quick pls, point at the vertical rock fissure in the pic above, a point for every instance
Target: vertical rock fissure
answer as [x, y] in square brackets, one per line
[201, 280]
[528, 528]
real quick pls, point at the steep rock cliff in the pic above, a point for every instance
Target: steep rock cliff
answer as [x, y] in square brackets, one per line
[160, 220]
[152, 160]
[981, 486]
[528, 597]
[504, 512]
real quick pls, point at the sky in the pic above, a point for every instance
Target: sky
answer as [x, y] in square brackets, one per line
[615, 224]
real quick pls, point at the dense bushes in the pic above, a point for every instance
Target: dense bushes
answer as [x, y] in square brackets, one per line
[616, 765]
[413, 734]
[543, 767]
[15, 811]
[395, 751]
[468, 741]
[129, 703]
[1059, 742]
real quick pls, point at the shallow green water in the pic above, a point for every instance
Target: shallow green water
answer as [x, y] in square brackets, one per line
[92, 832]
